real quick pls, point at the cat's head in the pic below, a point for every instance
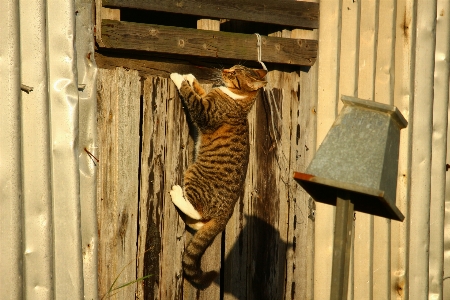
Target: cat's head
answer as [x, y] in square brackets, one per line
[243, 78]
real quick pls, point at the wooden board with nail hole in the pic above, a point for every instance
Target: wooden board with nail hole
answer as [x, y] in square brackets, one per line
[206, 43]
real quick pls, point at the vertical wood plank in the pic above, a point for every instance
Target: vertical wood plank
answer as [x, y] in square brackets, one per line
[207, 24]
[281, 96]
[300, 263]
[267, 207]
[117, 194]
[110, 14]
[162, 238]
[163, 161]
[272, 204]
[98, 22]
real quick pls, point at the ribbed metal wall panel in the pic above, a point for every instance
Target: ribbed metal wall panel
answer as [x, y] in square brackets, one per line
[11, 196]
[87, 82]
[363, 240]
[349, 56]
[65, 181]
[439, 155]
[384, 93]
[43, 134]
[327, 103]
[36, 155]
[421, 126]
[403, 93]
[388, 52]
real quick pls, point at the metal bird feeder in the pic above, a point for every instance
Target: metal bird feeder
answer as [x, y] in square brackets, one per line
[355, 168]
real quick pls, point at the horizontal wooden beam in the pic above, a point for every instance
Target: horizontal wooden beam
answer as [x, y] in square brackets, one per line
[281, 12]
[206, 43]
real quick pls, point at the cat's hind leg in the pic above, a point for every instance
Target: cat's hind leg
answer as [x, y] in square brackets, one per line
[192, 216]
[184, 205]
[194, 224]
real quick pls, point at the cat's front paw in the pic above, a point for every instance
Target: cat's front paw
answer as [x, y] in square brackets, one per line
[177, 79]
[190, 78]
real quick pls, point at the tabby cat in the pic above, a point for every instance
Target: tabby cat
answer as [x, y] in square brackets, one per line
[214, 182]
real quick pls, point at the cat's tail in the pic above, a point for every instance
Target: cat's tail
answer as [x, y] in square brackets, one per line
[201, 240]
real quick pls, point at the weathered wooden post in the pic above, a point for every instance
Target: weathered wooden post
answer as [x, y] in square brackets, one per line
[355, 169]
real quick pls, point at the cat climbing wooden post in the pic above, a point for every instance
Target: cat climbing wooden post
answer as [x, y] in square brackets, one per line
[254, 234]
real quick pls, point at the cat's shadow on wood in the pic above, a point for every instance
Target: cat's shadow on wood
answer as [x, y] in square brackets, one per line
[255, 267]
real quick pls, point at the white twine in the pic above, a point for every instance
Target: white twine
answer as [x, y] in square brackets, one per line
[258, 44]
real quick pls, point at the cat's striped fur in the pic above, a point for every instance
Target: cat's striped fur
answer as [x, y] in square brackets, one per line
[213, 183]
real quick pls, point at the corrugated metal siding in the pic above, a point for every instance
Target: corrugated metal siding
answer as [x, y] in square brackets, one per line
[87, 82]
[41, 153]
[10, 153]
[394, 52]
[439, 140]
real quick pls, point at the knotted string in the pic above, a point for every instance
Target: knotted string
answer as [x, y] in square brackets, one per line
[258, 44]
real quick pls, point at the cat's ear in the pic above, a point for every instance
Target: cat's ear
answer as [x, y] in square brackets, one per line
[258, 84]
[261, 73]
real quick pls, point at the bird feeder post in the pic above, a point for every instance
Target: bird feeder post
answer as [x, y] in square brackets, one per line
[342, 246]
[355, 169]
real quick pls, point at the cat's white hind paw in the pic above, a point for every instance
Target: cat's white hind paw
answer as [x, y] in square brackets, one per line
[190, 78]
[196, 225]
[184, 205]
[177, 79]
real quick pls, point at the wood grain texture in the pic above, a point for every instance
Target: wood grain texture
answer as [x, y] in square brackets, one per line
[163, 159]
[117, 192]
[206, 43]
[300, 263]
[155, 67]
[98, 22]
[282, 12]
